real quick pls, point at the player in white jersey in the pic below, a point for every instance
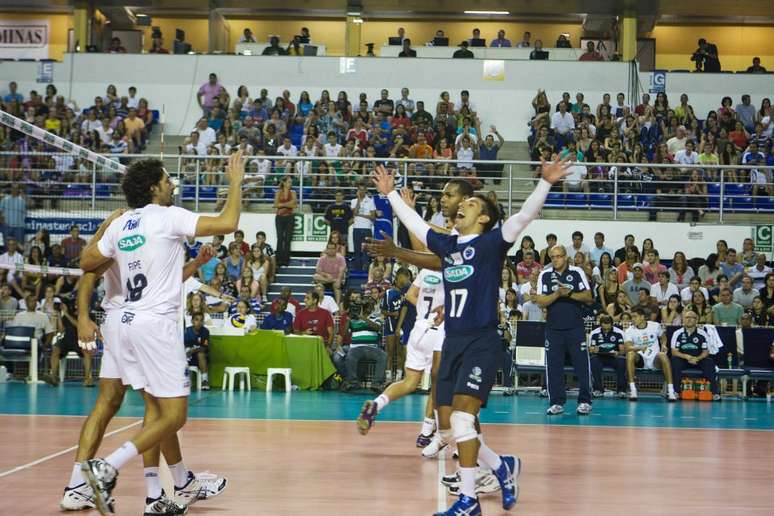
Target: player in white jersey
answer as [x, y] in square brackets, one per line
[426, 293]
[78, 495]
[146, 244]
[646, 346]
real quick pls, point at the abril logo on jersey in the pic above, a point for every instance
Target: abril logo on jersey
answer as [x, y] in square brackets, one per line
[131, 224]
[458, 273]
[131, 243]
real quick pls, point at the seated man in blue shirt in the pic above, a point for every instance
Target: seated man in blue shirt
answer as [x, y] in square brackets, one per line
[278, 319]
[197, 347]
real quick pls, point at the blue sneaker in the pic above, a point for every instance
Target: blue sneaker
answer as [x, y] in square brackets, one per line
[464, 506]
[367, 417]
[506, 475]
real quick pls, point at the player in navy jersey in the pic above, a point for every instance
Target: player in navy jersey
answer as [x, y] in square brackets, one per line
[606, 346]
[391, 305]
[471, 264]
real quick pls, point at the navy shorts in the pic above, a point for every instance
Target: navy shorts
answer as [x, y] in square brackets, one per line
[390, 326]
[469, 365]
[193, 359]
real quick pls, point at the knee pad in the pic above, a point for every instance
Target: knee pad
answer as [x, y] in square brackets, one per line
[463, 426]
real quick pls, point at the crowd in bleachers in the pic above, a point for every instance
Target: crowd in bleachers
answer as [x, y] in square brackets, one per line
[116, 124]
[616, 131]
[271, 130]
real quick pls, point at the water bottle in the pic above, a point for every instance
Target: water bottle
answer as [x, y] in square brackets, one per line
[3, 374]
[730, 359]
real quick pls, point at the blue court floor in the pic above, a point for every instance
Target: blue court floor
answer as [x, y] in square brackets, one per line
[526, 409]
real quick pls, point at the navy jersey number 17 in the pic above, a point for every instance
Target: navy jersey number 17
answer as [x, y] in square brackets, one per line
[471, 278]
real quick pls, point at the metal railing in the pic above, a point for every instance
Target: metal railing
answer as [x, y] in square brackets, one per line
[55, 184]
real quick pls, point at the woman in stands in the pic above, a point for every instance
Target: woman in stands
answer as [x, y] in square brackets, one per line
[111, 97]
[212, 169]
[338, 240]
[709, 272]
[432, 212]
[194, 304]
[619, 306]
[400, 119]
[672, 313]
[325, 99]
[757, 311]
[527, 244]
[729, 157]
[613, 140]
[304, 105]
[248, 280]
[507, 281]
[510, 305]
[145, 114]
[380, 262]
[647, 245]
[225, 284]
[680, 273]
[601, 270]
[722, 249]
[739, 137]
[448, 108]
[695, 199]
[605, 126]
[34, 282]
[701, 307]
[234, 262]
[660, 106]
[260, 265]
[607, 291]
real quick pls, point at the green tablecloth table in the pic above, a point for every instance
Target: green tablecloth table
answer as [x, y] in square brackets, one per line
[306, 356]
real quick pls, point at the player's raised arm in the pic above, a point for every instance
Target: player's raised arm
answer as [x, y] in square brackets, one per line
[553, 172]
[228, 220]
[385, 185]
[91, 257]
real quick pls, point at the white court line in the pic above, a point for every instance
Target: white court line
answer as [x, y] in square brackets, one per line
[441, 505]
[60, 453]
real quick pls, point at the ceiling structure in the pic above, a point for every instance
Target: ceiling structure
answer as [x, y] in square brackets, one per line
[737, 12]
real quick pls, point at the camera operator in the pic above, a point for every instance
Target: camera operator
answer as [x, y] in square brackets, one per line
[363, 335]
[706, 57]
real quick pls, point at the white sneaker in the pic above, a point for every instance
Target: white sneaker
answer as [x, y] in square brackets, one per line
[398, 376]
[78, 498]
[486, 482]
[672, 397]
[584, 409]
[163, 505]
[554, 410]
[436, 446]
[200, 486]
[632, 393]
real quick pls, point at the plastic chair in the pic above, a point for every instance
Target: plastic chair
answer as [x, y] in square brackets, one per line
[229, 378]
[69, 357]
[274, 371]
[195, 370]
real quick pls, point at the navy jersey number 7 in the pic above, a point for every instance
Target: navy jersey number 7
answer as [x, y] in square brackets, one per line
[471, 277]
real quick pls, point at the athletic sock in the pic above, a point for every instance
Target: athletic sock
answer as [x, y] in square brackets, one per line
[468, 482]
[179, 473]
[428, 425]
[670, 388]
[381, 402]
[487, 457]
[76, 477]
[205, 377]
[121, 456]
[152, 483]
[632, 386]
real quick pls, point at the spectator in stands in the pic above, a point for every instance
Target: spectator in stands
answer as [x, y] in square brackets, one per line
[44, 332]
[274, 48]
[757, 312]
[680, 273]
[732, 269]
[279, 318]
[653, 266]
[563, 42]
[192, 247]
[157, 45]
[706, 57]
[487, 150]
[525, 40]
[500, 40]
[247, 36]
[714, 293]
[759, 272]
[538, 53]
[551, 240]
[14, 213]
[116, 47]
[619, 306]
[687, 293]
[745, 294]
[13, 95]
[73, 245]
[197, 347]
[709, 272]
[690, 348]
[285, 204]
[745, 113]
[292, 304]
[670, 314]
[727, 312]
[577, 246]
[330, 270]
[463, 52]
[268, 252]
[591, 53]
[313, 320]
[599, 248]
[632, 287]
[208, 94]
[326, 301]
[748, 257]
[527, 266]
[606, 347]
[362, 332]
[663, 289]
[562, 123]
[645, 301]
[407, 50]
[756, 66]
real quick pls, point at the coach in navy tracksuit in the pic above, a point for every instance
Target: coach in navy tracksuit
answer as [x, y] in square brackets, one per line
[563, 290]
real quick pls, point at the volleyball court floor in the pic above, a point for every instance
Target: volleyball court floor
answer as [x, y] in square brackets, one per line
[300, 453]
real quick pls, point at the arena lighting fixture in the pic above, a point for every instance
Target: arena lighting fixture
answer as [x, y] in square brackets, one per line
[503, 13]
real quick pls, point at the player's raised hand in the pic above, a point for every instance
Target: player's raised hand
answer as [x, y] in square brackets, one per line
[235, 169]
[113, 216]
[385, 247]
[407, 194]
[383, 180]
[555, 170]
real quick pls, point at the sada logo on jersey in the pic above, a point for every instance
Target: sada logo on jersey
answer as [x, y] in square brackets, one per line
[432, 280]
[131, 243]
[458, 273]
